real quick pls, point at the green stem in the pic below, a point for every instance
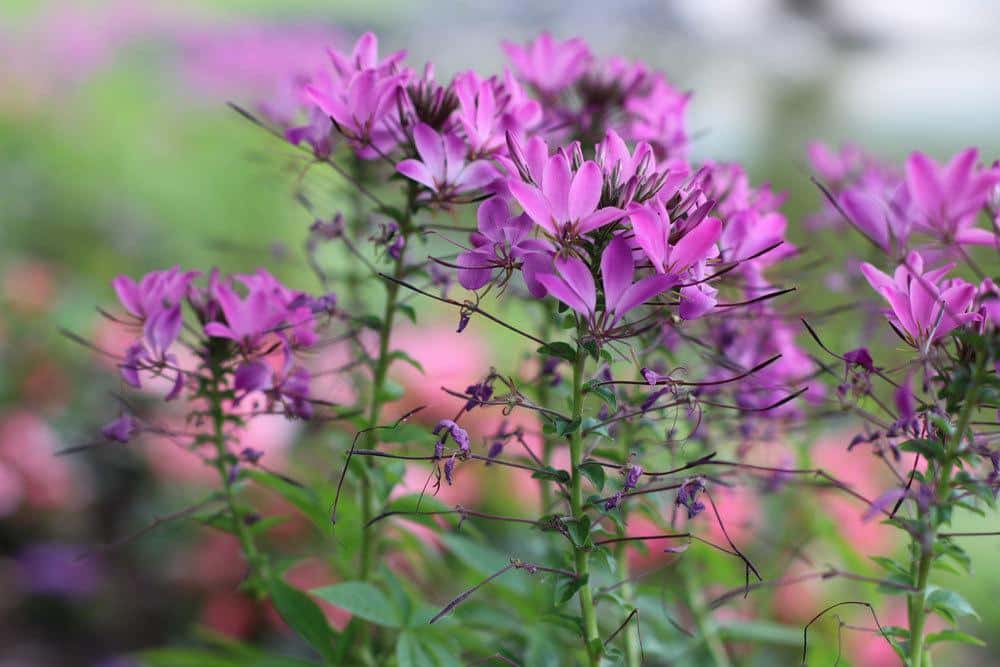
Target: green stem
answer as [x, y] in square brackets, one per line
[582, 555]
[380, 375]
[702, 615]
[917, 610]
[633, 654]
[223, 460]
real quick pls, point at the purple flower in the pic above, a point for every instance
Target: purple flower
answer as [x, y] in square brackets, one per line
[55, 569]
[293, 392]
[687, 497]
[882, 220]
[501, 244]
[860, 357]
[447, 427]
[566, 203]
[252, 376]
[574, 285]
[946, 199]
[449, 470]
[121, 429]
[653, 229]
[657, 117]
[632, 474]
[358, 104]
[632, 176]
[268, 308]
[442, 167]
[478, 394]
[924, 306]
[548, 65]
[251, 455]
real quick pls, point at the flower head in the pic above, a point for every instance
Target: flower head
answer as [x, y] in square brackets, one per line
[442, 167]
[925, 307]
[549, 65]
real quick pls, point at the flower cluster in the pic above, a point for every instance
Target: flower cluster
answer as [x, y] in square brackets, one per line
[251, 324]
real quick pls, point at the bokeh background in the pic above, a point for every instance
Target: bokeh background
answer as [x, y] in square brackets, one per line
[118, 154]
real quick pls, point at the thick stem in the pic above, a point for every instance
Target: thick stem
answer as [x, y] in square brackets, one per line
[702, 615]
[223, 461]
[582, 555]
[917, 607]
[380, 375]
[917, 610]
[633, 654]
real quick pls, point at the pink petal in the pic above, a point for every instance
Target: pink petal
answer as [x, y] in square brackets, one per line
[579, 279]
[417, 171]
[641, 292]
[695, 245]
[476, 175]
[976, 236]
[128, 294]
[558, 288]
[474, 269]
[616, 272]
[922, 182]
[650, 234]
[533, 202]
[431, 148]
[585, 191]
[556, 184]
[599, 218]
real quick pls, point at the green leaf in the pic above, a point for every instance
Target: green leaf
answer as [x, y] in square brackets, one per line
[559, 349]
[411, 653]
[566, 428]
[594, 472]
[304, 616]
[954, 636]
[548, 472]
[761, 631]
[949, 604]
[403, 356]
[566, 588]
[415, 502]
[371, 322]
[301, 497]
[929, 449]
[361, 599]
[606, 394]
[579, 531]
[407, 310]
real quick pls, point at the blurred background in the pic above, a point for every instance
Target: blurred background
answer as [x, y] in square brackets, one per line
[118, 154]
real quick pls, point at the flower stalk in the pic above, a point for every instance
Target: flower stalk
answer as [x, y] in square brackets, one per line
[582, 555]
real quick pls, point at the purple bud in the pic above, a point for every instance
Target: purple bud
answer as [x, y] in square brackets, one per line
[613, 502]
[495, 450]
[632, 474]
[903, 397]
[458, 434]
[121, 429]
[251, 455]
[463, 321]
[687, 496]
[860, 357]
[134, 356]
[449, 471]
[253, 376]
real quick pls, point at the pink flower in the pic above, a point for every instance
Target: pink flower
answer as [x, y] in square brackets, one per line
[565, 204]
[573, 284]
[652, 226]
[549, 65]
[501, 244]
[924, 307]
[360, 91]
[946, 199]
[442, 167]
